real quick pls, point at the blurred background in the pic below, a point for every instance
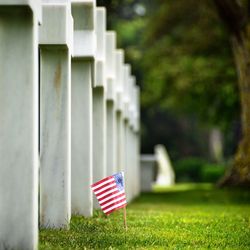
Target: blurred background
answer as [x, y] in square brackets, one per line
[181, 57]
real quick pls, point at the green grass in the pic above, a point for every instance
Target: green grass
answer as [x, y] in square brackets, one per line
[188, 216]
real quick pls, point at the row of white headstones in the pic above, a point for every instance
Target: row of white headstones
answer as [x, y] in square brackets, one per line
[69, 115]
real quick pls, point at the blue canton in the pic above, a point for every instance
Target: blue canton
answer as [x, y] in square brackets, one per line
[119, 181]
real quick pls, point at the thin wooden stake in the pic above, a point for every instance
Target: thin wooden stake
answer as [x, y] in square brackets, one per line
[125, 218]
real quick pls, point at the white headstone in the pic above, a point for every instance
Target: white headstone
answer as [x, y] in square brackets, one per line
[19, 124]
[127, 137]
[216, 144]
[132, 99]
[56, 34]
[119, 111]
[81, 106]
[111, 98]
[137, 136]
[126, 95]
[133, 154]
[99, 102]
[165, 175]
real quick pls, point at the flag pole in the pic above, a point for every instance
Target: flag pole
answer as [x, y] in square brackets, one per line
[125, 218]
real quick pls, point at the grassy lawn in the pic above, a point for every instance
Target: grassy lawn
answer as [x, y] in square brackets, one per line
[188, 216]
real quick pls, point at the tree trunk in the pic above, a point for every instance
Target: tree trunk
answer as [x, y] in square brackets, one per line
[235, 16]
[239, 174]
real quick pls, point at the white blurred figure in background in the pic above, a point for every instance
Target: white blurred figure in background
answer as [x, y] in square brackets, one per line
[165, 171]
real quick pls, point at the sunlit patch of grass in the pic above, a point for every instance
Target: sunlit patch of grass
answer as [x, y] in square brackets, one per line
[182, 187]
[186, 216]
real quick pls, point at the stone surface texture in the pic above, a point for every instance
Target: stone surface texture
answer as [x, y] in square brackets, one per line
[84, 49]
[56, 34]
[55, 138]
[18, 127]
[99, 102]
[81, 138]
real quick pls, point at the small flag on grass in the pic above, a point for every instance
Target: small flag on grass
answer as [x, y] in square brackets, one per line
[110, 193]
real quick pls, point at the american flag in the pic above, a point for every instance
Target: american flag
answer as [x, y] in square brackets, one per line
[110, 193]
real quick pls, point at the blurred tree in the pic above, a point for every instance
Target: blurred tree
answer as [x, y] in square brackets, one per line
[235, 14]
[189, 63]
[131, 21]
[182, 58]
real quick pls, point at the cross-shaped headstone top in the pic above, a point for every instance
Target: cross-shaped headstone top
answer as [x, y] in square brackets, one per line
[34, 5]
[57, 26]
[83, 12]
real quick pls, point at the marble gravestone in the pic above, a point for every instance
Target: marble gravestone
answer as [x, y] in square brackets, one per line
[99, 102]
[165, 173]
[133, 138]
[136, 141]
[84, 47]
[56, 35]
[111, 102]
[19, 124]
[216, 145]
[127, 156]
[119, 111]
[133, 170]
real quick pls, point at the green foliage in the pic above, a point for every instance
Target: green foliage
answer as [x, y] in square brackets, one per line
[197, 170]
[183, 217]
[189, 169]
[189, 63]
[181, 56]
[212, 173]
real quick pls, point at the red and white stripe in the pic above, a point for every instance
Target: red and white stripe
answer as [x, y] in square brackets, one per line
[108, 195]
